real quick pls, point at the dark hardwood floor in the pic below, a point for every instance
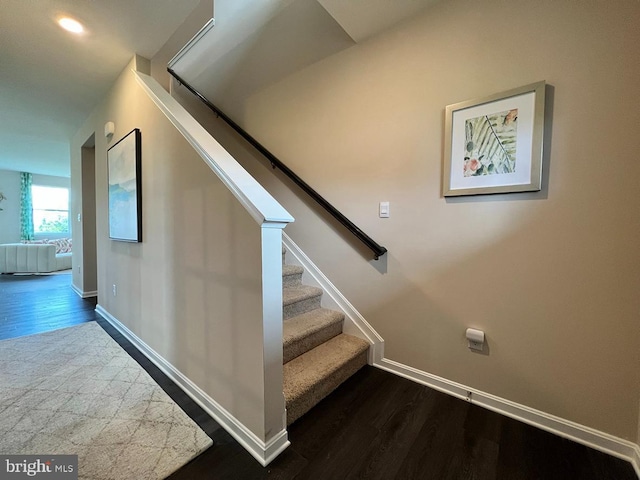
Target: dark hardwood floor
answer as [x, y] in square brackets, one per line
[375, 426]
[38, 303]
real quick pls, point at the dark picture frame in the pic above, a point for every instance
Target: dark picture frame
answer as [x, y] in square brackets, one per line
[124, 163]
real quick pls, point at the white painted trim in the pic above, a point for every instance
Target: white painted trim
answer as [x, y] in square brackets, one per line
[191, 43]
[635, 461]
[565, 428]
[274, 401]
[262, 451]
[82, 294]
[355, 324]
[253, 197]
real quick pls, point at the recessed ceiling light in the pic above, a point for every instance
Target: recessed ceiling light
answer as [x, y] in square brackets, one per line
[71, 25]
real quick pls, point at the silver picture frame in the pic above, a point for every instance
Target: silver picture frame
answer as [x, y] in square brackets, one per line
[495, 144]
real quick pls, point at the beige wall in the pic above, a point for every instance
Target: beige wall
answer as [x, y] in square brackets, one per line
[192, 289]
[89, 267]
[552, 277]
[638, 437]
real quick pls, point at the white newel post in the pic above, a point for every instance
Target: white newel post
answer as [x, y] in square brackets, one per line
[274, 403]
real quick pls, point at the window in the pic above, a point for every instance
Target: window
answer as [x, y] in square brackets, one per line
[50, 209]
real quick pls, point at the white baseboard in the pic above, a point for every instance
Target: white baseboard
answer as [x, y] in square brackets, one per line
[565, 428]
[354, 323]
[264, 452]
[82, 294]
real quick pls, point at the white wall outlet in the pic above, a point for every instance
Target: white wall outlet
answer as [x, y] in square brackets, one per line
[115, 290]
[384, 210]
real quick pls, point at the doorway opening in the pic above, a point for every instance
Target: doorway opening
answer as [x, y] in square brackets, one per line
[85, 274]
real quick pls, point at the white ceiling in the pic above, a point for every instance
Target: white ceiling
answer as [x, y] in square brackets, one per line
[255, 44]
[50, 80]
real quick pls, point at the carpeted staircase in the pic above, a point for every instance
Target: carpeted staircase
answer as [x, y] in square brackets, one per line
[317, 356]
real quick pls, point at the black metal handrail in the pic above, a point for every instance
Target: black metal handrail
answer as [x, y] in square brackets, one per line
[377, 249]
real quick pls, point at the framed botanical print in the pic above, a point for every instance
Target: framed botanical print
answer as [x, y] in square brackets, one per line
[495, 144]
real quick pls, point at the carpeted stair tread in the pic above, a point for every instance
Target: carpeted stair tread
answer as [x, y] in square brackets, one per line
[299, 292]
[317, 356]
[291, 269]
[308, 330]
[312, 376]
[291, 275]
[300, 299]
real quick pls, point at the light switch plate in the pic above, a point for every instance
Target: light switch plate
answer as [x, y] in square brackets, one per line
[384, 210]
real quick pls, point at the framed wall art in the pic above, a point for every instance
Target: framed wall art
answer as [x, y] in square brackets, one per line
[495, 144]
[125, 199]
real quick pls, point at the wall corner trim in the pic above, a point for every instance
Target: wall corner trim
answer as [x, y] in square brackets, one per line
[635, 461]
[263, 452]
[582, 434]
[84, 294]
[191, 43]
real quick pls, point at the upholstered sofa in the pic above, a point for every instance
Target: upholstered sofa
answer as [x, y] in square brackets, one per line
[32, 258]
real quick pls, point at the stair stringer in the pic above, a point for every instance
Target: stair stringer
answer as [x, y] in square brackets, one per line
[354, 323]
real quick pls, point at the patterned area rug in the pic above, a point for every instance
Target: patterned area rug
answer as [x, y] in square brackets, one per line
[76, 391]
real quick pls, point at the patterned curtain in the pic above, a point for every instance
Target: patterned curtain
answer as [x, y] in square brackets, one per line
[26, 207]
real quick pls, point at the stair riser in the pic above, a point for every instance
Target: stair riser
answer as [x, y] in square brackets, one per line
[300, 307]
[305, 344]
[301, 405]
[292, 280]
